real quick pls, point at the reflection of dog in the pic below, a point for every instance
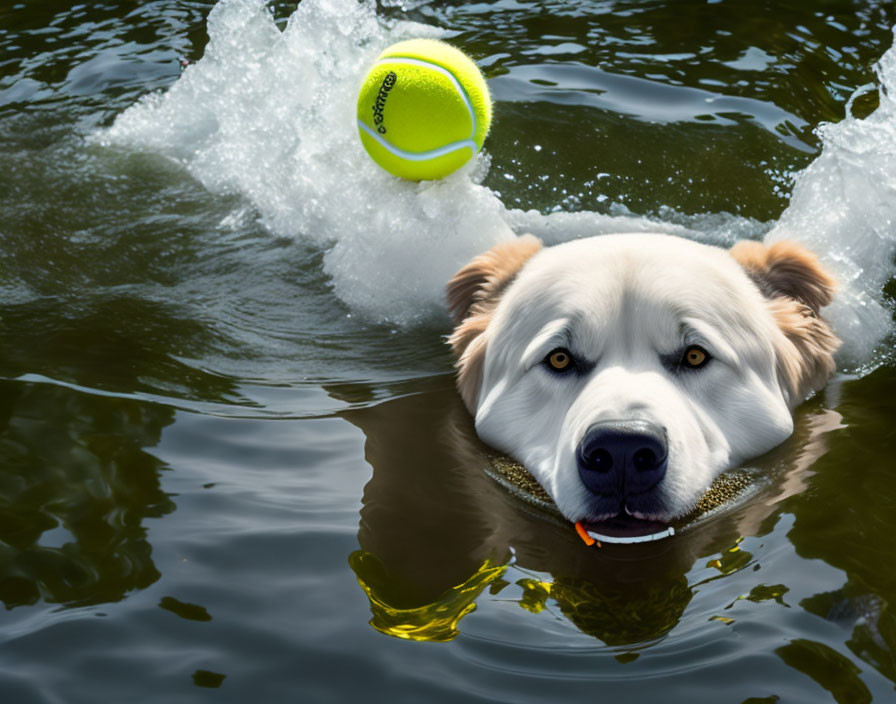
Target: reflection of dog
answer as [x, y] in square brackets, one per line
[432, 517]
[626, 372]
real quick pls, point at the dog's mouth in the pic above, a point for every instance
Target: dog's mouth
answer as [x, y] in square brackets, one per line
[624, 529]
[726, 489]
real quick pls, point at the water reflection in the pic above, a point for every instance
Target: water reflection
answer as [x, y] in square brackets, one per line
[848, 520]
[434, 528]
[435, 621]
[77, 475]
[76, 484]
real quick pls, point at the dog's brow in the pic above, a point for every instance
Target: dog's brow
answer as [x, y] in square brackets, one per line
[696, 332]
[557, 333]
[688, 334]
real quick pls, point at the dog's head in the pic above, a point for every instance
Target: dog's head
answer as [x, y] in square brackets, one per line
[625, 372]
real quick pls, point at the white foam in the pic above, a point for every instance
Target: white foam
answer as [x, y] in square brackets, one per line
[844, 208]
[720, 229]
[270, 115]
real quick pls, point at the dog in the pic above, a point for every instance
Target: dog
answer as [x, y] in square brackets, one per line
[435, 529]
[625, 372]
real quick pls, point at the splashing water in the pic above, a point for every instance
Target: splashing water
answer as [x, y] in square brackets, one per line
[270, 115]
[844, 208]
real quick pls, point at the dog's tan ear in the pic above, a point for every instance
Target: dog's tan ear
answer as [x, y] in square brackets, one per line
[806, 358]
[473, 293]
[797, 287]
[485, 278]
[786, 269]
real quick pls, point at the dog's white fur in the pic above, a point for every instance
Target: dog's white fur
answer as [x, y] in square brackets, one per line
[624, 305]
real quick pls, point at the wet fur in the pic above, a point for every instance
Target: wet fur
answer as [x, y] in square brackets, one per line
[472, 296]
[787, 277]
[797, 288]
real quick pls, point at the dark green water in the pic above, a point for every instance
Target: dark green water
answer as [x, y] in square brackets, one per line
[222, 478]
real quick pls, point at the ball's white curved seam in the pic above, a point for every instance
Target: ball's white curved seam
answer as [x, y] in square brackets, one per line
[417, 156]
[432, 153]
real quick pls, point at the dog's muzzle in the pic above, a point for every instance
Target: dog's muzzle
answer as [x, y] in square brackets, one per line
[621, 459]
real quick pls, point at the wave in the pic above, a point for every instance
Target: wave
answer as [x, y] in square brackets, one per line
[270, 115]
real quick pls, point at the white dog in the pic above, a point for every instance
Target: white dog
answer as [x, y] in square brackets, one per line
[625, 372]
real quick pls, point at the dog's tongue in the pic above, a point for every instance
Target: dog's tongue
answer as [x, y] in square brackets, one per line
[625, 529]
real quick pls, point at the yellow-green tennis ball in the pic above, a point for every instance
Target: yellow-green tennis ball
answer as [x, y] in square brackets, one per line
[423, 110]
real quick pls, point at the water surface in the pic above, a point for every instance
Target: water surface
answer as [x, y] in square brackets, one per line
[231, 453]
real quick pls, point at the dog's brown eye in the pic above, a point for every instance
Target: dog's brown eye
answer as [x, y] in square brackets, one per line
[559, 360]
[695, 357]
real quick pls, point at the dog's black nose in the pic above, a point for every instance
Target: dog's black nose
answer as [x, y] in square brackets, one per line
[620, 459]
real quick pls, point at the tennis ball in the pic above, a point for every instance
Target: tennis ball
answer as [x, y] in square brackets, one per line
[423, 110]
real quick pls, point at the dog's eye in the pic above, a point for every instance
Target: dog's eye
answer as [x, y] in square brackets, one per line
[695, 357]
[559, 360]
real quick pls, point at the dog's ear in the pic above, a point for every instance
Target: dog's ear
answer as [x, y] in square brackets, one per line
[786, 269]
[797, 287]
[485, 278]
[472, 294]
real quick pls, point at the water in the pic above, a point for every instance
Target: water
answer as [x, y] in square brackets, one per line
[231, 455]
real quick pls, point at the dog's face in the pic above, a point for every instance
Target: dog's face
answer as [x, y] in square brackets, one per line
[625, 372]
